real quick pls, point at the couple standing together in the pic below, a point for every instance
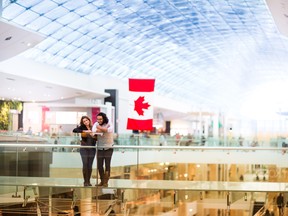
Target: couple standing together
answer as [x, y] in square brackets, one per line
[104, 153]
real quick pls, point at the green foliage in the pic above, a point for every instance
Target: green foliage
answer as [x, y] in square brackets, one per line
[5, 107]
[16, 105]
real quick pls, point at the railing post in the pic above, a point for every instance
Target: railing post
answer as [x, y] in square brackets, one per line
[228, 203]
[16, 171]
[175, 198]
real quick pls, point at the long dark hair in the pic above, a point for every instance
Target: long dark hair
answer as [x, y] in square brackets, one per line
[81, 121]
[105, 118]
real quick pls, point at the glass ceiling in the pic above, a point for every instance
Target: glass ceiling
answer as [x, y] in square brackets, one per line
[207, 52]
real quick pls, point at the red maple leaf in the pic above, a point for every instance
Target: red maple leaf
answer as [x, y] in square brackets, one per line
[139, 105]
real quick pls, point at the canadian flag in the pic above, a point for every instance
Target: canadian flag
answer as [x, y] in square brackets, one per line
[140, 115]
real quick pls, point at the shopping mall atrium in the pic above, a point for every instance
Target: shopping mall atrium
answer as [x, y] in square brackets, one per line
[218, 109]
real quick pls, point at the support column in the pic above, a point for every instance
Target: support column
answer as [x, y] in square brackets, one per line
[86, 204]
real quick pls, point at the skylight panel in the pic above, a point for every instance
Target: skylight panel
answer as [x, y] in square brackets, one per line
[74, 65]
[50, 28]
[85, 10]
[116, 9]
[78, 23]
[106, 52]
[119, 11]
[89, 45]
[56, 47]
[92, 61]
[73, 36]
[46, 43]
[76, 53]
[85, 56]
[95, 15]
[83, 41]
[84, 68]
[57, 13]
[110, 41]
[129, 18]
[106, 38]
[68, 19]
[66, 51]
[26, 17]
[135, 7]
[60, 2]
[25, 3]
[12, 11]
[64, 63]
[73, 5]
[88, 27]
[62, 32]
[56, 59]
[136, 38]
[39, 23]
[114, 54]
[97, 32]
[44, 6]
[118, 44]
[98, 47]
[98, 59]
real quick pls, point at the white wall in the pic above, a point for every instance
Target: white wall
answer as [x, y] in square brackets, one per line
[32, 117]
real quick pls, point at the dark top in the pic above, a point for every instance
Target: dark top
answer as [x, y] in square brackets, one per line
[86, 138]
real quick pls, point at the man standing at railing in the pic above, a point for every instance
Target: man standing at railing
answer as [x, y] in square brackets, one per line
[105, 142]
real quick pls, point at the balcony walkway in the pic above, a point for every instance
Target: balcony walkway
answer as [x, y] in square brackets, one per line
[148, 184]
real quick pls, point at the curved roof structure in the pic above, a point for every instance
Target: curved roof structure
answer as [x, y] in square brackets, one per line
[212, 53]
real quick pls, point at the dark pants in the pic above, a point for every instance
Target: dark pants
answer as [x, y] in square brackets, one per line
[104, 156]
[87, 156]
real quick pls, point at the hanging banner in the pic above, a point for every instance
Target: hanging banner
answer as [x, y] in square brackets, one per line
[140, 115]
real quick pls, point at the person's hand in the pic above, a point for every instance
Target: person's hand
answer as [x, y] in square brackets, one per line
[99, 129]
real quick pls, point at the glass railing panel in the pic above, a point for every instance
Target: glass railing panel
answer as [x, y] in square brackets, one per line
[146, 139]
[149, 162]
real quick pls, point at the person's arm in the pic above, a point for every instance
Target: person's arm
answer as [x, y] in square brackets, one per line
[105, 128]
[80, 129]
[94, 127]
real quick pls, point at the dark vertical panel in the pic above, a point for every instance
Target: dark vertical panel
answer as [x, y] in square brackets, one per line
[113, 99]
[39, 163]
[20, 119]
[167, 127]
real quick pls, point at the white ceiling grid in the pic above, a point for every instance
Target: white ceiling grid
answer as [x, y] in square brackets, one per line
[200, 52]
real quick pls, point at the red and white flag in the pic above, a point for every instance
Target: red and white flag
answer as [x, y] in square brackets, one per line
[140, 115]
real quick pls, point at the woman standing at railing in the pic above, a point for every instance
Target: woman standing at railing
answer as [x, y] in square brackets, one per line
[87, 154]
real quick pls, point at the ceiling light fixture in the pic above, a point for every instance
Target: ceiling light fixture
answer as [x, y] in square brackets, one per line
[8, 38]
[11, 79]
